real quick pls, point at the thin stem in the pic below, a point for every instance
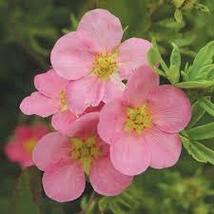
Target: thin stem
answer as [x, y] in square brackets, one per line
[90, 201]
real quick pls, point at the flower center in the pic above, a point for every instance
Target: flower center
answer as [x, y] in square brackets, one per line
[63, 101]
[138, 119]
[85, 151]
[105, 65]
[29, 145]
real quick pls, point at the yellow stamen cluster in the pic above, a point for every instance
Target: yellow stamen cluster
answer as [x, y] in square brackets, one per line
[29, 145]
[63, 101]
[105, 65]
[138, 119]
[85, 151]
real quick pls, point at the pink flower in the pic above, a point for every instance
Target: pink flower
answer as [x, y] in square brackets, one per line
[142, 127]
[20, 147]
[65, 159]
[50, 99]
[96, 59]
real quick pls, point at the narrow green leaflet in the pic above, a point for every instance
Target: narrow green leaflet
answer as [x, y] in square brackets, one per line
[154, 56]
[198, 151]
[202, 7]
[207, 105]
[197, 113]
[27, 193]
[201, 132]
[196, 84]
[173, 73]
[178, 16]
[203, 58]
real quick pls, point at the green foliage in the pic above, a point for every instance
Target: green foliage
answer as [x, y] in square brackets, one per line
[207, 105]
[27, 193]
[203, 65]
[201, 132]
[198, 151]
[162, 192]
[197, 113]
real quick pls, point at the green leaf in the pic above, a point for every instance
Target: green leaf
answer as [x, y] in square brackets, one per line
[198, 151]
[203, 58]
[207, 105]
[178, 16]
[201, 132]
[197, 113]
[173, 73]
[26, 197]
[202, 7]
[154, 56]
[205, 72]
[196, 84]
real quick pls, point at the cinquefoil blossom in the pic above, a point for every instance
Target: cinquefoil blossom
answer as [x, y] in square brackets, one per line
[66, 160]
[142, 127]
[96, 59]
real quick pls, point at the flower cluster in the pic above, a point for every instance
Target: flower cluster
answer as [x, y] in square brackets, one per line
[106, 130]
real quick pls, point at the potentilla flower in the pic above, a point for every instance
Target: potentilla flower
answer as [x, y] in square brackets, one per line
[142, 127]
[19, 148]
[66, 160]
[50, 99]
[96, 59]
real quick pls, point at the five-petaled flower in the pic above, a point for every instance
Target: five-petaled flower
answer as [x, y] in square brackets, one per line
[96, 59]
[20, 147]
[65, 159]
[50, 99]
[142, 127]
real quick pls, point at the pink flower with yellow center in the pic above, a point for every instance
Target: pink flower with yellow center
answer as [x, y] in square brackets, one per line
[96, 59]
[20, 147]
[142, 127]
[66, 160]
[50, 99]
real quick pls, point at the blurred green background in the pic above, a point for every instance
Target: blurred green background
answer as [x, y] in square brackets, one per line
[28, 31]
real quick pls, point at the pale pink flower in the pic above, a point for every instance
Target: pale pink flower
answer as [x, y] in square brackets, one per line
[19, 148]
[142, 127]
[66, 160]
[95, 57]
[50, 99]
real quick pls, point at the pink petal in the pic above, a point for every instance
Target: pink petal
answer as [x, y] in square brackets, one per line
[94, 108]
[50, 84]
[139, 85]
[86, 125]
[72, 56]
[88, 91]
[23, 132]
[49, 150]
[170, 107]
[114, 89]
[64, 182]
[130, 155]
[38, 104]
[132, 55]
[112, 117]
[14, 151]
[106, 180]
[61, 121]
[165, 148]
[39, 130]
[103, 27]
